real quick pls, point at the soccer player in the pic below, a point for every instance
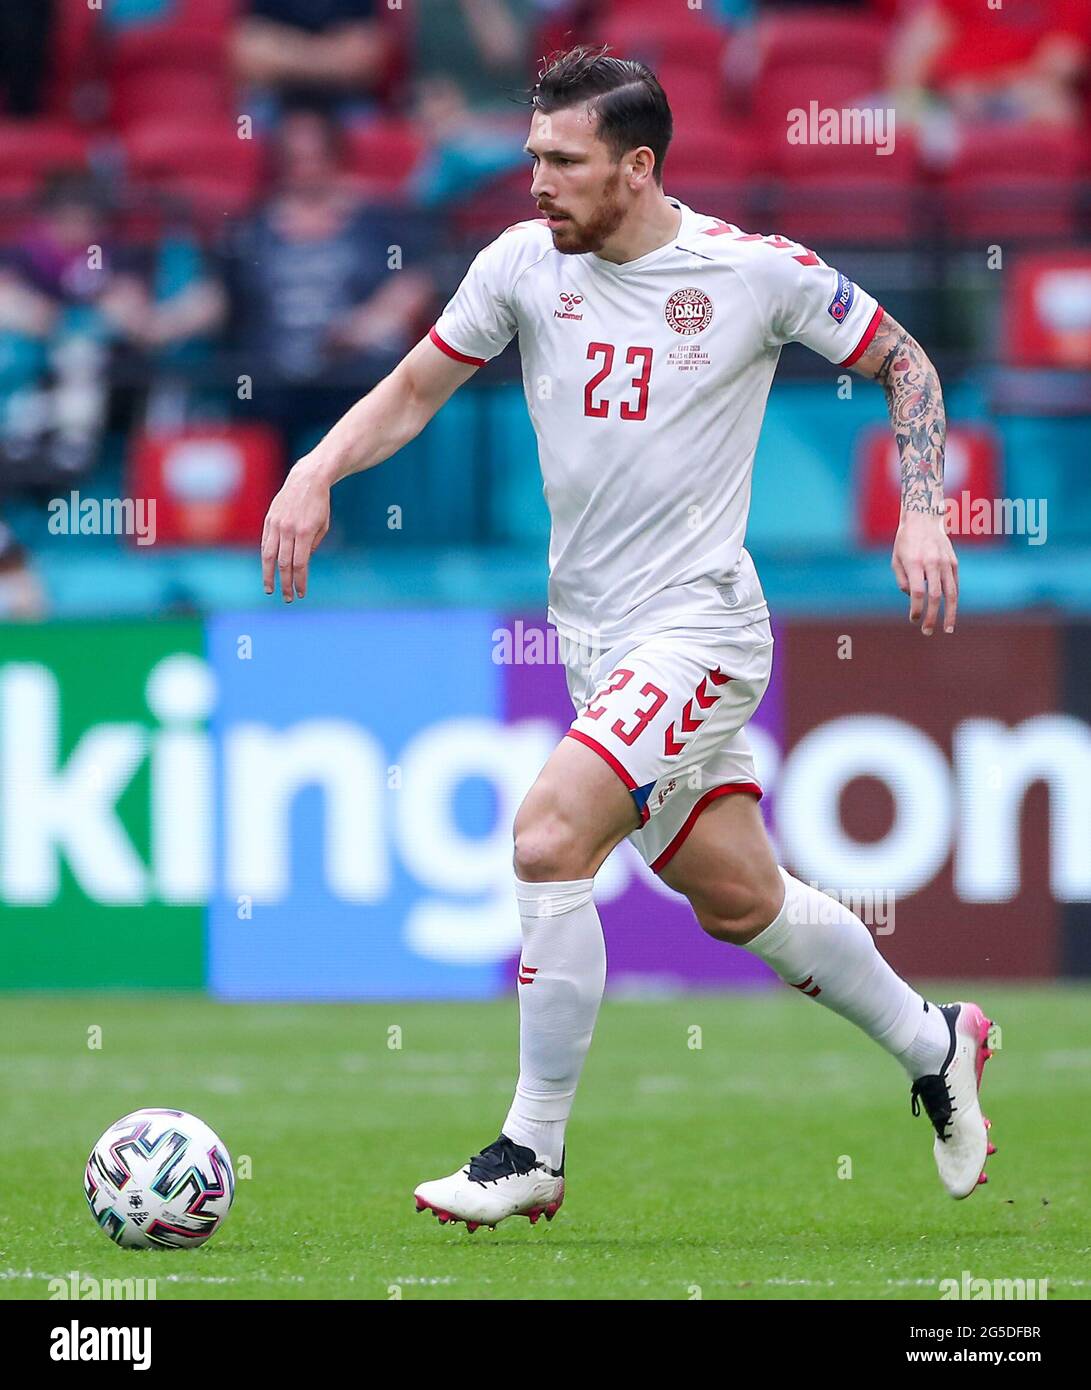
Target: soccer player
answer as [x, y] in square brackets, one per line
[649, 336]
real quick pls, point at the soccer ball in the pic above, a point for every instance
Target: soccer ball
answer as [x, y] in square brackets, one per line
[159, 1178]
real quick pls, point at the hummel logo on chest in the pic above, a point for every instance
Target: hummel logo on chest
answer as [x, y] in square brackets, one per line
[569, 304]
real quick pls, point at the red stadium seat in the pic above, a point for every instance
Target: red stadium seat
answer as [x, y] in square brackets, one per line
[900, 163]
[76, 52]
[821, 37]
[168, 69]
[211, 15]
[31, 150]
[787, 89]
[205, 165]
[163, 46]
[497, 205]
[383, 154]
[622, 9]
[730, 199]
[1015, 182]
[711, 153]
[695, 94]
[992, 208]
[1017, 149]
[169, 94]
[159, 149]
[847, 208]
[683, 37]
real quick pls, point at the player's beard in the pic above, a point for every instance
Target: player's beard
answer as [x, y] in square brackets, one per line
[574, 238]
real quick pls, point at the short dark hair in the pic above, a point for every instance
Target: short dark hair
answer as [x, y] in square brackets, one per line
[631, 106]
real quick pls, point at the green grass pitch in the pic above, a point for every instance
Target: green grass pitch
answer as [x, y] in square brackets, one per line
[713, 1172]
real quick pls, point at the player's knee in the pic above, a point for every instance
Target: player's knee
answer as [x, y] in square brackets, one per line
[736, 912]
[548, 851]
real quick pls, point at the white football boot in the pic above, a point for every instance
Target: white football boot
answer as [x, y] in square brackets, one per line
[503, 1180]
[951, 1099]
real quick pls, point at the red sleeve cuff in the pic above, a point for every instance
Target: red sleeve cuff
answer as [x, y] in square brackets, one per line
[869, 333]
[453, 352]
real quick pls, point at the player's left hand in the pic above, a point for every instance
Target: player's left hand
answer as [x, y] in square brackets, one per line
[926, 568]
[297, 519]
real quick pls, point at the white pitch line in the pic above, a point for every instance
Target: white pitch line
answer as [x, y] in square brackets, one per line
[167, 1278]
[421, 1279]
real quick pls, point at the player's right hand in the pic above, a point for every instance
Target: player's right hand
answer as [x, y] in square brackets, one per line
[297, 519]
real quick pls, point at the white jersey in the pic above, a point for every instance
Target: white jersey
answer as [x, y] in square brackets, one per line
[646, 383]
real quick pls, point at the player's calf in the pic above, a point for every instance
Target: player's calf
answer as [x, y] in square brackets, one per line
[740, 908]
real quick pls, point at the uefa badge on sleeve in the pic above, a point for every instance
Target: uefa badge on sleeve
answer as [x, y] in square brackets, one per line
[841, 303]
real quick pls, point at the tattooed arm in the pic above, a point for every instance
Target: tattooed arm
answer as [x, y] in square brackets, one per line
[923, 556]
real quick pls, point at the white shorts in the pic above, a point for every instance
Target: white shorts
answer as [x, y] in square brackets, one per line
[668, 715]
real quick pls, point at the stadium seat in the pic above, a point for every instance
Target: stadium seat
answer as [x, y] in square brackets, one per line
[710, 153]
[901, 161]
[206, 165]
[821, 36]
[210, 15]
[696, 95]
[30, 150]
[736, 200]
[790, 88]
[167, 69]
[147, 93]
[383, 154]
[847, 208]
[1017, 149]
[76, 53]
[1016, 182]
[990, 208]
[162, 46]
[681, 38]
[621, 10]
[489, 212]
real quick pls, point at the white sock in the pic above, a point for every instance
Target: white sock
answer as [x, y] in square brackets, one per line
[562, 975]
[819, 947]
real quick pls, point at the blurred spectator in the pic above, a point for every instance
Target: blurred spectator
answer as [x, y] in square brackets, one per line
[464, 148]
[318, 309]
[483, 46]
[1015, 63]
[74, 297]
[473, 61]
[560, 23]
[25, 29]
[21, 595]
[333, 49]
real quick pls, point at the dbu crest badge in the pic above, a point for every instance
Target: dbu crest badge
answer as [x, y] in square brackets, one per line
[688, 311]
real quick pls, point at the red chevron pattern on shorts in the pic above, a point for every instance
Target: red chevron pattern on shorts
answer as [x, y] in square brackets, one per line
[689, 721]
